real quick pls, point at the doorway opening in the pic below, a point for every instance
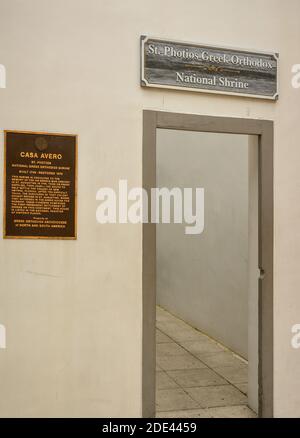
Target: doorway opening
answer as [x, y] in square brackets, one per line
[208, 298]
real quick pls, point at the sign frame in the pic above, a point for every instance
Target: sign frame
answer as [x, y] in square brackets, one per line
[75, 136]
[145, 84]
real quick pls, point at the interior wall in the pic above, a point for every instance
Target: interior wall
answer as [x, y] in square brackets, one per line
[203, 279]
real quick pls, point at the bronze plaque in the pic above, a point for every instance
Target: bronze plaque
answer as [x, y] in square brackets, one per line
[40, 185]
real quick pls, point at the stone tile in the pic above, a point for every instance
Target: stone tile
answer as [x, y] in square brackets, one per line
[215, 396]
[161, 338]
[204, 345]
[186, 335]
[197, 378]
[243, 387]
[231, 412]
[170, 349]
[234, 374]
[174, 400]
[172, 325]
[223, 412]
[163, 381]
[186, 387]
[217, 360]
[195, 413]
[182, 362]
[163, 316]
[191, 335]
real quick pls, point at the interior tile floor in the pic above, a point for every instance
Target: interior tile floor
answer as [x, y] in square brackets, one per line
[195, 376]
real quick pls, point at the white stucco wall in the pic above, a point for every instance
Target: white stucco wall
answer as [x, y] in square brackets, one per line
[72, 310]
[203, 279]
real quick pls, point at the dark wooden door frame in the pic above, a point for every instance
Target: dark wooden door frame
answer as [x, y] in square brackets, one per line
[264, 130]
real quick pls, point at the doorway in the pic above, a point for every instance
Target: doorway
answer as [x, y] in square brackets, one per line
[261, 133]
